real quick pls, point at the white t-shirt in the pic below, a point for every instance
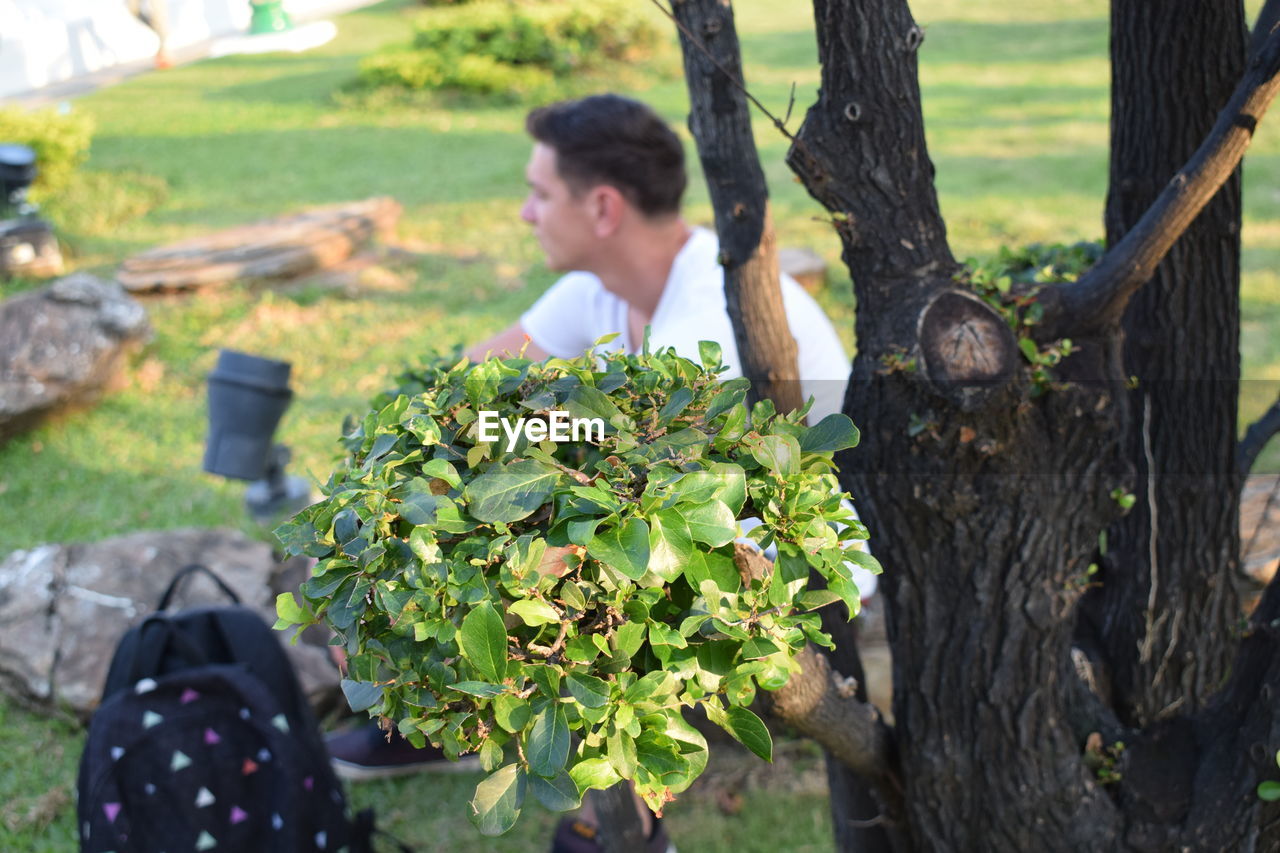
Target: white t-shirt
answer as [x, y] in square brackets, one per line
[577, 311]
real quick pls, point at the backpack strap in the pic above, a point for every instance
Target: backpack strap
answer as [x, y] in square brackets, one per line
[158, 637]
[185, 572]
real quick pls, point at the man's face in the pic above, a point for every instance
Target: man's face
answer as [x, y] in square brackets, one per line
[560, 219]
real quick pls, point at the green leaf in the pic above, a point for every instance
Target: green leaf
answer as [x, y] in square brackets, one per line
[512, 712]
[535, 612]
[547, 744]
[669, 545]
[547, 678]
[629, 637]
[750, 731]
[622, 753]
[590, 691]
[675, 404]
[594, 773]
[573, 596]
[497, 801]
[711, 523]
[661, 635]
[1269, 791]
[692, 746]
[483, 642]
[730, 394]
[834, 432]
[490, 755]
[559, 793]
[733, 484]
[420, 507]
[1029, 350]
[478, 688]
[587, 402]
[657, 683]
[710, 354]
[865, 560]
[659, 754]
[779, 453]
[511, 492]
[346, 525]
[625, 548]
[582, 529]
[758, 647]
[439, 469]
[815, 598]
[287, 609]
[361, 695]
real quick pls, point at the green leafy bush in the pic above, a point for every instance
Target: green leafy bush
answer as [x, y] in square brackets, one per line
[490, 47]
[61, 143]
[419, 69]
[501, 596]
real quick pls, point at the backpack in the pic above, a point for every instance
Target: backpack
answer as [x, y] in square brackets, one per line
[204, 741]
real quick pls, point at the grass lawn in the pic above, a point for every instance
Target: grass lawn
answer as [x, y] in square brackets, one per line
[1016, 102]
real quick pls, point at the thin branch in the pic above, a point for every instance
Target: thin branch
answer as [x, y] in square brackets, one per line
[1255, 439]
[1099, 298]
[1268, 18]
[780, 124]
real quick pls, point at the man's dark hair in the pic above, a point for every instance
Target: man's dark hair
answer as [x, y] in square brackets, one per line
[608, 139]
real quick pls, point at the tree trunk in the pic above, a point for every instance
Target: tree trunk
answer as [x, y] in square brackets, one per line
[1167, 604]
[985, 495]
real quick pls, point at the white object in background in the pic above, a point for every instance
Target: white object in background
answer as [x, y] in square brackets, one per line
[49, 41]
[295, 40]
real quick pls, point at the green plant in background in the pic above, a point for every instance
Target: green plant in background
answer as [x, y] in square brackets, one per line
[501, 601]
[514, 48]
[61, 142]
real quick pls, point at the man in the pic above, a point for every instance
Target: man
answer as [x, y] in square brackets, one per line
[605, 182]
[606, 178]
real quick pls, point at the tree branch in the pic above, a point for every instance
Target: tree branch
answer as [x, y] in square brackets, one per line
[721, 124]
[1099, 298]
[1255, 439]
[817, 703]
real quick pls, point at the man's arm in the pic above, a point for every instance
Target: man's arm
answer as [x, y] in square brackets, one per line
[509, 341]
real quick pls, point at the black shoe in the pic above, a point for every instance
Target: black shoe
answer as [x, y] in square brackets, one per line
[366, 752]
[574, 835]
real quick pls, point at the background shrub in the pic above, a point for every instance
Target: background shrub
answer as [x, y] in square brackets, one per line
[61, 143]
[521, 48]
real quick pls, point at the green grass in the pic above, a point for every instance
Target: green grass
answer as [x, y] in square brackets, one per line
[1016, 105]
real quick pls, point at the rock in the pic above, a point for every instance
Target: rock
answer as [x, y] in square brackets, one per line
[1259, 534]
[60, 346]
[63, 608]
[288, 246]
[805, 266]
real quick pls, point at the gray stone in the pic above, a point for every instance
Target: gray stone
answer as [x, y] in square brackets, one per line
[60, 346]
[805, 266]
[63, 608]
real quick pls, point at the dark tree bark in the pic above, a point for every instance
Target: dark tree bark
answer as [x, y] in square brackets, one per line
[985, 494]
[1166, 605]
[721, 126]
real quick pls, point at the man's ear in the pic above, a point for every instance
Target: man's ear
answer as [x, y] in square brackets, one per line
[608, 208]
